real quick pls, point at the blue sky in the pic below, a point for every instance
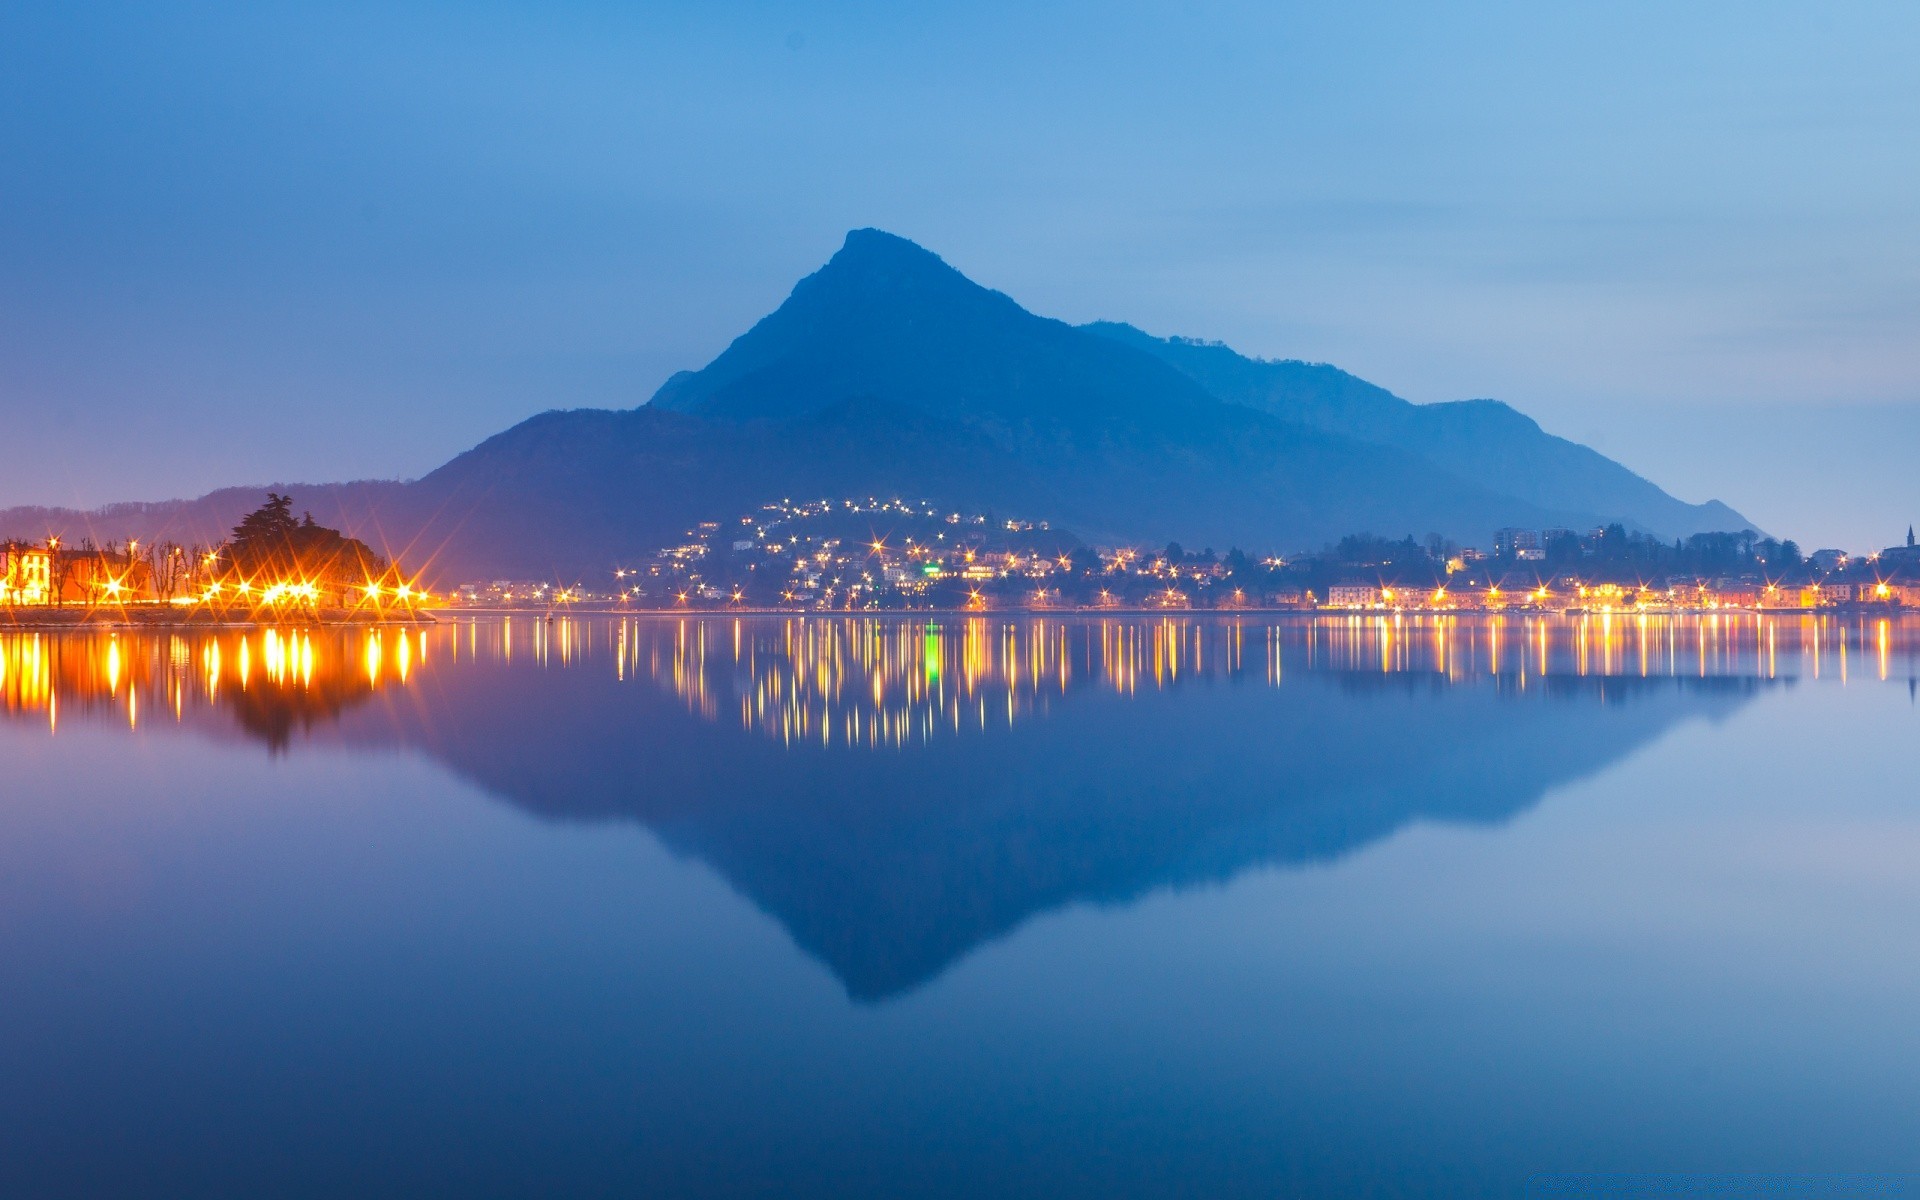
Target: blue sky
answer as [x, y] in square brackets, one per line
[250, 242]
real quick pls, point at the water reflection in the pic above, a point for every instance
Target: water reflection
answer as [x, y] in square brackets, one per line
[897, 792]
[891, 682]
[894, 681]
[272, 681]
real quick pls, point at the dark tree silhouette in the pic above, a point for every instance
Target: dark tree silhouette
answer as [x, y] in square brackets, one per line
[270, 545]
[266, 531]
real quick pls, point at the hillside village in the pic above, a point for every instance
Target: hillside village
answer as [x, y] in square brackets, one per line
[870, 553]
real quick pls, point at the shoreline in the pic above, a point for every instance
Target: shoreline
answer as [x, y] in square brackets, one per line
[54, 617]
[37, 618]
[1828, 610]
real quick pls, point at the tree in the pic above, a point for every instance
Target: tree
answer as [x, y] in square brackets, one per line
[270, 546]
[168, 568]
[267, 530]
[1372, 550]
[1613, 545]
[59, 571]
[1563, 549]
[202, 567]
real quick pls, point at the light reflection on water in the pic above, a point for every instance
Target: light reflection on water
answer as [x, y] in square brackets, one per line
[272, 678]
[1024, 906]
[891, 681]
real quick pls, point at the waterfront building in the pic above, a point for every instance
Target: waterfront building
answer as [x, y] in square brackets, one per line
[1883, 591]
[26, 574]
[99, 577]
[1353, 595]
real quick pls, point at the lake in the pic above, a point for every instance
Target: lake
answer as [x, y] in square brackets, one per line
[963, 906]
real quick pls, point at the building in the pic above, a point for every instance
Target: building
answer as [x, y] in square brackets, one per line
[101, 577]
[1810, 595]
[1906, 595]
[1608, 595]
[53, 574]
[1729, 592]
[26, 574]
[1523, 544]
[1901, 556]
[1353, 595]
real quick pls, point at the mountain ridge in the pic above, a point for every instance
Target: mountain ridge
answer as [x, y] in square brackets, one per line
[1471, 437]
[888, 372]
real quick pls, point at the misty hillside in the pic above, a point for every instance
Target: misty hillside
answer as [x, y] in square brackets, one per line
[1477, 439]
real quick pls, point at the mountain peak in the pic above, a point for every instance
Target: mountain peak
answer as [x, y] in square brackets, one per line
[868, 242]
[876, 263]
[887, 319]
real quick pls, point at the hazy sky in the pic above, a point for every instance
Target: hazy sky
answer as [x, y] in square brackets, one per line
[250, 242]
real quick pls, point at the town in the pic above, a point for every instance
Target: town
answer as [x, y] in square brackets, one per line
[273, 566]
[878, 554]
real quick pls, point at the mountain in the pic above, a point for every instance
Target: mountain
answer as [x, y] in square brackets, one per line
[1476, 439]
[1103, 436]
[887, 372]
[889, 320]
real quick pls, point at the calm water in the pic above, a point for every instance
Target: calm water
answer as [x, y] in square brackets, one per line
[993, 907]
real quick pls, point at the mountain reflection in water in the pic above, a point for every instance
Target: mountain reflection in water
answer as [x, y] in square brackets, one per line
[897, 791]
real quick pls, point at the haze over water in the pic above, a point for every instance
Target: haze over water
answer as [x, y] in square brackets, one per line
[950, 906]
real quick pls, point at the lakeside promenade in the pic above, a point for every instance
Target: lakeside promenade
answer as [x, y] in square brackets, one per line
[159, 616]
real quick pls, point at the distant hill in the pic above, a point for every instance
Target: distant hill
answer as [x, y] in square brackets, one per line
[210, 518]
[888, 372]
